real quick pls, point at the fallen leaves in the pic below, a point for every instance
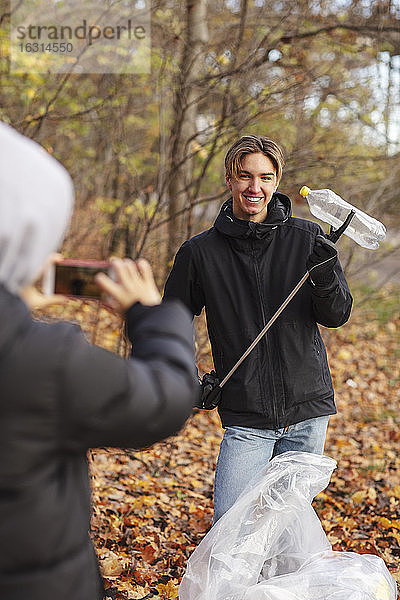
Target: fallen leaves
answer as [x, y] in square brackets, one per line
[389, 524]
[168, 590]
[152, 508]
[364, 439]
[111, 564]
[153, 514]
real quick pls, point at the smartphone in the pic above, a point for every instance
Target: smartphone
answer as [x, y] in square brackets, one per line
[75, 277]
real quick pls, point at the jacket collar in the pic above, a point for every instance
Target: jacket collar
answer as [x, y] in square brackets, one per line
[278, 211]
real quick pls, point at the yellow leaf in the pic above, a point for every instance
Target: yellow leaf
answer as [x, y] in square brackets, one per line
[223, 59]
[358, 497]
[168, 590]
[387, 523]
[196, 483]
[395, 491]
[344, 354]
[350, 523]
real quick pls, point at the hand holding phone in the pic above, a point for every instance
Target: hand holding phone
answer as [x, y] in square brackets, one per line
[75, 278]
[32, 295]
[133, 282]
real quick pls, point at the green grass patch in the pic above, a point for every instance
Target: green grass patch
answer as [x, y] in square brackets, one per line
[381, 304]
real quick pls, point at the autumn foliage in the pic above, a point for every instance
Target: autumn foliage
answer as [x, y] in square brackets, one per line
[151, 508]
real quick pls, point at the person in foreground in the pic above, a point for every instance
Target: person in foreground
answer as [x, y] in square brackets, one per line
[241, 270]
[61, 395]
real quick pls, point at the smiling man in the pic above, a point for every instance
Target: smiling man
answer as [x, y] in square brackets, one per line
[252, 183]
[241, 270]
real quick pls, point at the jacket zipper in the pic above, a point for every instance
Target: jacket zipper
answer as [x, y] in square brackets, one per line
[266, 340]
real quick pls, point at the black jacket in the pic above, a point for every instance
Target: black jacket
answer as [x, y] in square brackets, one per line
[60, 396]
[241, 272]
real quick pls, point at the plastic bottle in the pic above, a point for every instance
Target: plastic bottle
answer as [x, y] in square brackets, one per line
[332, 209]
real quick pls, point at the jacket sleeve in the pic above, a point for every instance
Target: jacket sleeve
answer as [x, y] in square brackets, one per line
[183, 281]
[332, 304]
[111, 401]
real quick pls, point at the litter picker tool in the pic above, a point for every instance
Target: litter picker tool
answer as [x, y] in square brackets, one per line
[331, 208]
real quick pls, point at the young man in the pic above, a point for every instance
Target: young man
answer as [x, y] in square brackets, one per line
[241, 270]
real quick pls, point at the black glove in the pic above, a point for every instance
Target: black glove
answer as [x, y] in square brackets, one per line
[209, 396]
[321, 261]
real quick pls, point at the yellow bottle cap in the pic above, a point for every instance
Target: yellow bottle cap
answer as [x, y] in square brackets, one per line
[304, 191]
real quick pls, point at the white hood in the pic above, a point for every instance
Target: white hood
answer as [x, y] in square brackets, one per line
[36, 201]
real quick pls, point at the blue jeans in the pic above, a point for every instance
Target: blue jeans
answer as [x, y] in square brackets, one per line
[244, 451]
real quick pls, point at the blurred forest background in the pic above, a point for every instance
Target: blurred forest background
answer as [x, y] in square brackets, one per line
[321, 77]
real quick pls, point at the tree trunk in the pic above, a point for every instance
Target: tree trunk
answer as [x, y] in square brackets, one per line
[184, 121]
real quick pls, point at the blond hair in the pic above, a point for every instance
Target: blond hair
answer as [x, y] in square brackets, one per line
[251, 144]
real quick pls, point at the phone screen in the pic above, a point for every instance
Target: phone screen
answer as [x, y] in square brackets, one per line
[78, 279]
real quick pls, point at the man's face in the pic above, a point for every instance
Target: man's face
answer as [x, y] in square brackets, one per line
[254, 188]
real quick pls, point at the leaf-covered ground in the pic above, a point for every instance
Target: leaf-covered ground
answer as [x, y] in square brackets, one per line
[151, 508]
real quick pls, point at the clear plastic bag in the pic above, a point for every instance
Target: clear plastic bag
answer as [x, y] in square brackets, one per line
[271, 546]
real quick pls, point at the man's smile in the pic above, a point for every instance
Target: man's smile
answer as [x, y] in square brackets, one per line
[253, 198]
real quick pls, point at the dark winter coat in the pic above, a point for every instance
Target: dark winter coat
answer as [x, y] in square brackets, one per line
[241, 272]
[60, 396]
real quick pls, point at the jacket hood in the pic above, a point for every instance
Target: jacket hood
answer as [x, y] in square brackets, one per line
[279, 209]
[35, 207]
[14, 317]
